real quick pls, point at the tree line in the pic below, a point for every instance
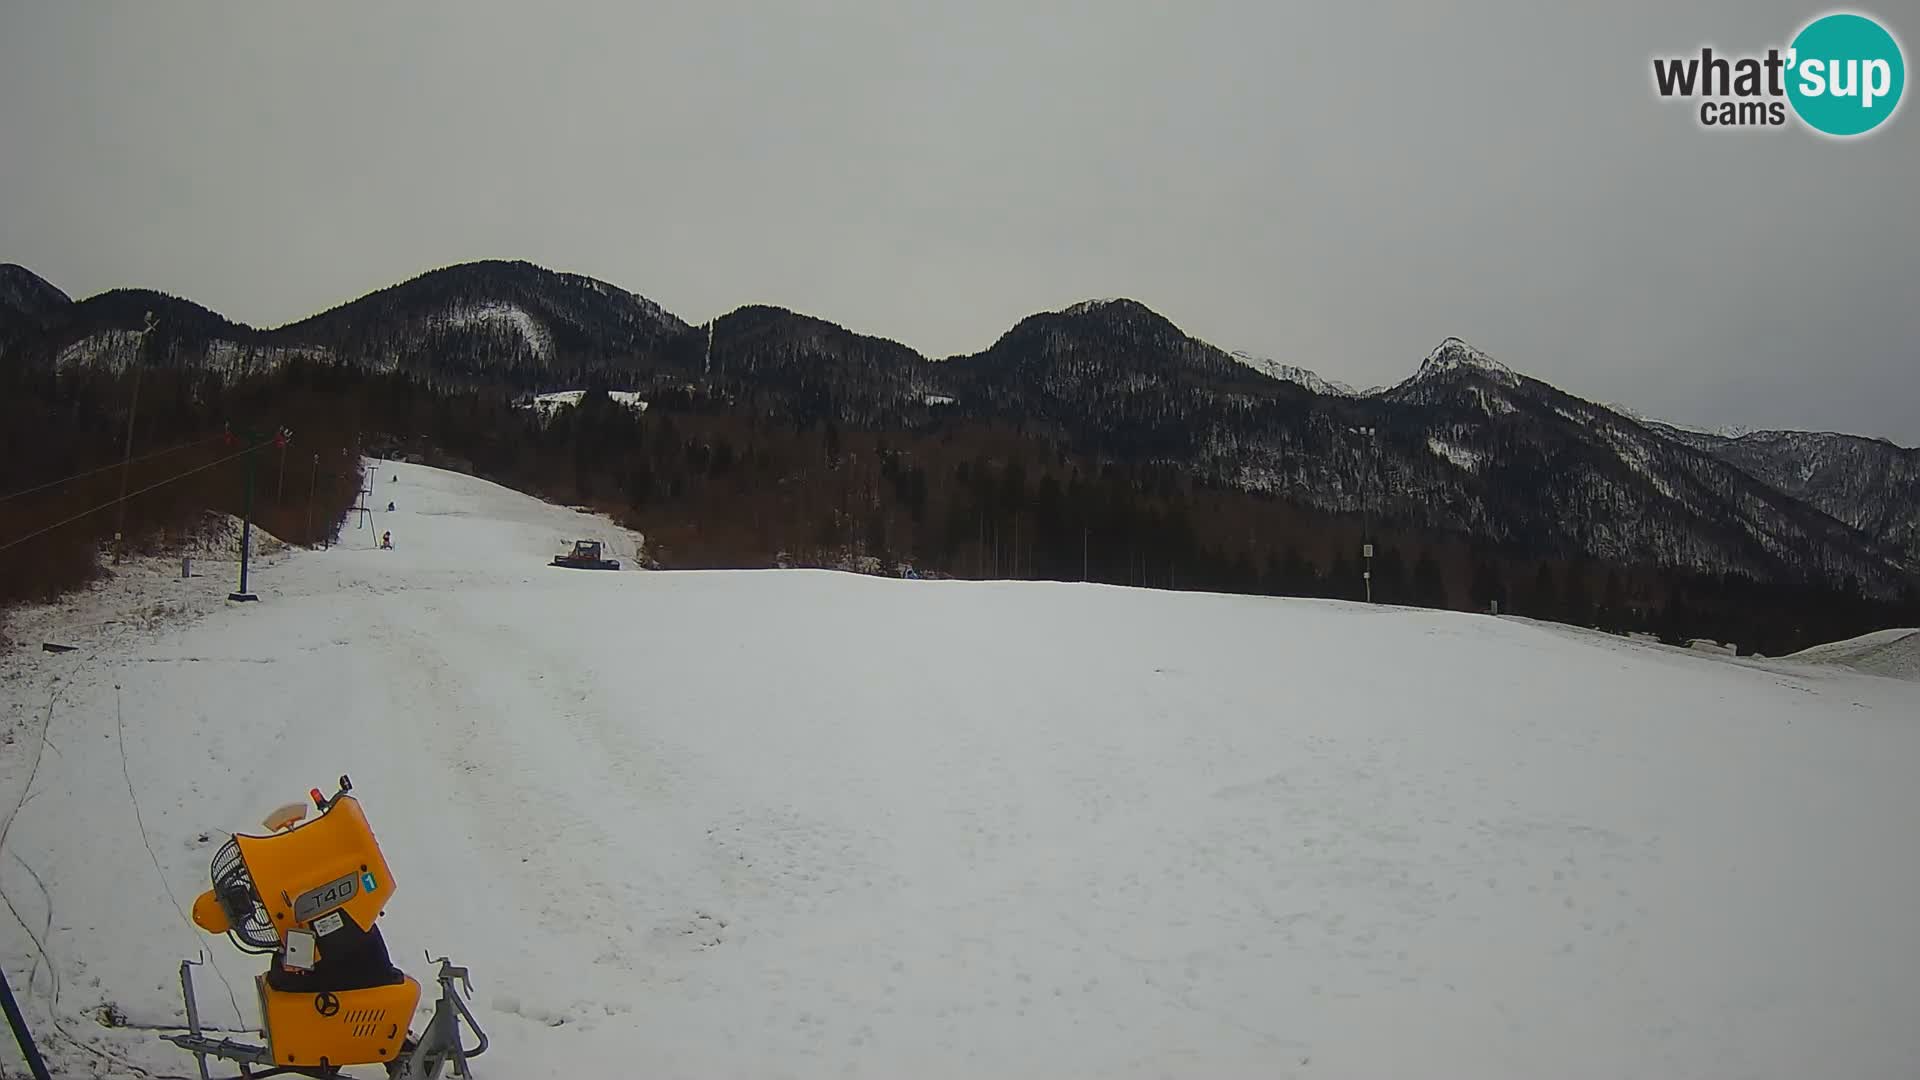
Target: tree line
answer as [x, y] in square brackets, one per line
[190, 430]
[713, 485]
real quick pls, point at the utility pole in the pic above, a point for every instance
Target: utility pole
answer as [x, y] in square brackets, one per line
[246, 521]
[126, 457]
[1366, 508]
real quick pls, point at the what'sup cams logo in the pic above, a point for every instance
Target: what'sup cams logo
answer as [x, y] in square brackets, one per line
[1842, 75]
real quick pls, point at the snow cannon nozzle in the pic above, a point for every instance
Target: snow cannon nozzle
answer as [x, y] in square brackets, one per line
[322, 801]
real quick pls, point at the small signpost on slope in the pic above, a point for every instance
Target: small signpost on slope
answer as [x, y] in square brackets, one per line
[1366, 552]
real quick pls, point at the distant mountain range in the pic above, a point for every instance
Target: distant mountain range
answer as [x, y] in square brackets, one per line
[1463, 444]
[1870, 484]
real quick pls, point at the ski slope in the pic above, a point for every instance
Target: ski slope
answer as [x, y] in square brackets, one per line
[805, 824]
[1893, 653]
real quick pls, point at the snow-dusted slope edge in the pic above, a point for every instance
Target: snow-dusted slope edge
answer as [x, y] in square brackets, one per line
[1299, 376]
[803, 824]
[547, 404]
[1892, 653]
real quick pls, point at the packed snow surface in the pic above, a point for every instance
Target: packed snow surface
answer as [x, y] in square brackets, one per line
[1893, 653]
[805, 824]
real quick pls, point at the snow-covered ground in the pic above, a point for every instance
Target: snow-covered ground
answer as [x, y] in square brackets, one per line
[547, 404]
[1893, 653]
[794, 823]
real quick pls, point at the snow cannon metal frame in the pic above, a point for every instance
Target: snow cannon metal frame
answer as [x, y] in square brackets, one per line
[309, 893]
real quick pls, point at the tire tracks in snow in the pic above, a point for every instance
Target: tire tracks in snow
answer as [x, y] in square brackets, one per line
[554, 795]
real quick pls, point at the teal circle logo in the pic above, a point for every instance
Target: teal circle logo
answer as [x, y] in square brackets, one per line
[1845, 74]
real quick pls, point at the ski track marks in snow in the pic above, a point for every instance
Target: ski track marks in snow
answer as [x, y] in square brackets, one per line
[804, 824]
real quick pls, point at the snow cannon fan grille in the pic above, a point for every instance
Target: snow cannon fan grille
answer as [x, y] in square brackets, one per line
[252, 928]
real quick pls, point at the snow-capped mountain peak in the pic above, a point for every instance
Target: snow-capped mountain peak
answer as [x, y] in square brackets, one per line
[1453, 354]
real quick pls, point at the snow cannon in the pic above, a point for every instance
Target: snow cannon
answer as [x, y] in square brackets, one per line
[308, 894]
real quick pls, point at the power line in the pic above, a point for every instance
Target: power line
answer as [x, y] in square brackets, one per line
[108, 465]
[130, 495]
[120, 724]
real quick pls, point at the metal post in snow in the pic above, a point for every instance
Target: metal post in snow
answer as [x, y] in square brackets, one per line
[246, 530]
[21, 1034]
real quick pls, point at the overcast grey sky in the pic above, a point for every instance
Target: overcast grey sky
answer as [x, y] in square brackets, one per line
[1337, 185]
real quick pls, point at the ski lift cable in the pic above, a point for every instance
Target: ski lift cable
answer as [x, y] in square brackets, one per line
[111, 502]
[108, 465]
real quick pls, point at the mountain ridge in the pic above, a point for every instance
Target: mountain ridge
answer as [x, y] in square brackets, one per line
[1451, 352]
[1464, 442]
